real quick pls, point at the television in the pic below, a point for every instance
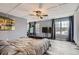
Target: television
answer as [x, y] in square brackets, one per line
[44, 29]
[50, 30]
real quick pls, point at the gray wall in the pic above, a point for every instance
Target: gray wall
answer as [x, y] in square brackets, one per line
[20, 28]
[76, 27]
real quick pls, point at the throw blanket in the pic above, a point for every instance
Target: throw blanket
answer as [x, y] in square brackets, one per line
[24, 46]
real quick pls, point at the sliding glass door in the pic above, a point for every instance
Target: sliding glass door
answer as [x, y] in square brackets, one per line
[57, 27]
[65, 27]
[62, 28]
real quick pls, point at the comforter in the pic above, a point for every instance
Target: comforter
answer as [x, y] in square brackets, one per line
[24, 46]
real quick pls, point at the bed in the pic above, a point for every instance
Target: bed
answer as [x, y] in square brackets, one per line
[24, 46]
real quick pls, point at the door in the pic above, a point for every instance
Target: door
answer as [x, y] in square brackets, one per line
[62, 28]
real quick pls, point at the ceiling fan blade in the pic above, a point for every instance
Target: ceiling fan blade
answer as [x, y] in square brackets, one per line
[34, 11]
[31, 14]
[41, 17]
[45, 15]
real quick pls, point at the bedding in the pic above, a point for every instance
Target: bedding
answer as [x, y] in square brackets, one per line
[24, 46]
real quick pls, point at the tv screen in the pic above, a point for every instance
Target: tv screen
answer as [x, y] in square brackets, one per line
[44, 29]
[49, 29]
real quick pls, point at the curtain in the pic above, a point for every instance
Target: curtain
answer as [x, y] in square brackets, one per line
[53, 29]
[71, 29]
[32, 28]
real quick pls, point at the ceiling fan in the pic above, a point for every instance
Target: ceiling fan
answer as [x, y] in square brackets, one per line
[39, 13]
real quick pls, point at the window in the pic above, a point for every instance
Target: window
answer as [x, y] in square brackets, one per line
[62, 27]
[57, 26]
[31, 30]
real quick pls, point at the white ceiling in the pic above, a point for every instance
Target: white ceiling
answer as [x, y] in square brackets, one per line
[54, 10]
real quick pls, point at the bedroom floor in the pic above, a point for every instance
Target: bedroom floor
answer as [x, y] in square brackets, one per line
[63, 48]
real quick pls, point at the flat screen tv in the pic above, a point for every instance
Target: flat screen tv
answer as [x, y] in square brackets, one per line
[49, 30]
[44, 30]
